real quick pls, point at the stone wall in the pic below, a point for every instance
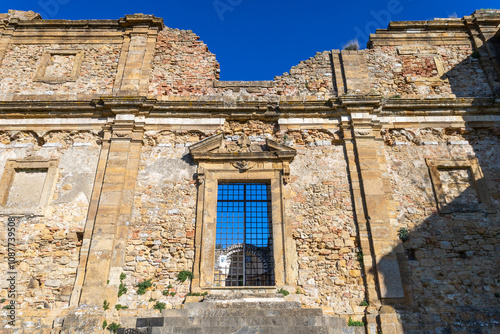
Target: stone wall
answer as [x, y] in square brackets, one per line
[48, 247]
[96, 76]
[182, 65]
[452, 262]
[323, 226]
[411, 72]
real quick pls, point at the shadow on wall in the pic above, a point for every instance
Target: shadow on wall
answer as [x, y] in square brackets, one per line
[451, 262]
[478, 75]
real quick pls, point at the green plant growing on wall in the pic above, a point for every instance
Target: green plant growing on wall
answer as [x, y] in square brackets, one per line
[121, 288]
[197, 293]
[104, 324]
[364, 303]
[283, 292]
[160, 306]
[121, 307]
[404, 234]
[141, 287]
[353, 323]
[352, 45]
[184, 275]
[105, 305]
[360, 257]
[113, 327]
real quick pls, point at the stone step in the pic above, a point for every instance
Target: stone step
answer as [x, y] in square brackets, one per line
[242, 321]
[243, 330]
[249, 312]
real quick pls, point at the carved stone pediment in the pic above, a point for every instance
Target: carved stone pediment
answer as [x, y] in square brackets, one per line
[215, 148]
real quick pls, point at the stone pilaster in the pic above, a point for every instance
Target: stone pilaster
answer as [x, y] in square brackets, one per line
[137, 53]
[6, 32]
[107, 246]
[375, 209]
[483, 26]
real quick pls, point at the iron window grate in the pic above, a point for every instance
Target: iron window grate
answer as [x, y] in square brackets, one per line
[244, 246]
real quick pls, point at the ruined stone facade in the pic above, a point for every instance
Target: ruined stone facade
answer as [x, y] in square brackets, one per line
[383, 167]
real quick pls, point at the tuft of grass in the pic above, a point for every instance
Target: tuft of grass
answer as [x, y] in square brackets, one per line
[283, 292]
[364, 303]
[105, 305]
[113, 327]
[121, 307]
[122, 290]
[404, 234]
[353, 44]
[141, 287]
[184, 275]
[104, 324]
[160, 306]
[353, 323]
[197, 293]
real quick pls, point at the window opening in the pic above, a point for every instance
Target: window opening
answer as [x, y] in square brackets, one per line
[244, 245]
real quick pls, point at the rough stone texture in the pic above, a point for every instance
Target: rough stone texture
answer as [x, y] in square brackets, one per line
[453, 268]
[182, 65]
[48, 247]
[350, 139]
[324, 230]
[411, 75]
[97, 72]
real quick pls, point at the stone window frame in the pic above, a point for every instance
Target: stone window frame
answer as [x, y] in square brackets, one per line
[44, 63]
[472, 165]
[221, 162]
[8, 178]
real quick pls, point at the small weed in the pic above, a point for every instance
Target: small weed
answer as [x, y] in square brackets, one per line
[355, 323]
[6, 307]
[121, 307]
[351, 45]
[105, 305]
[104, 324]
[283, 292]
[404, 234]
[184, 275]
[299, 291]
[169, 286]
[107, 282]
[165, 292]
[197, 293]
[159, 306]
[397, 96]
[141, 287]
[152, 300]
[122, 290]
[113, 327]
[172, 294]
[364, 303]
[3, 300]
[360, 257]
[122, 276]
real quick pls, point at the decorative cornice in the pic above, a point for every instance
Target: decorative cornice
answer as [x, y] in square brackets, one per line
[108, 106]
[214, 149]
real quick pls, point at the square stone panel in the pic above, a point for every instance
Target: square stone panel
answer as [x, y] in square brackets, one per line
[459, 186]
[26, 186]
[58, 66]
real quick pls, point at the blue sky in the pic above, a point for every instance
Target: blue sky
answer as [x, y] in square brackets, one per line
[255, 39]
